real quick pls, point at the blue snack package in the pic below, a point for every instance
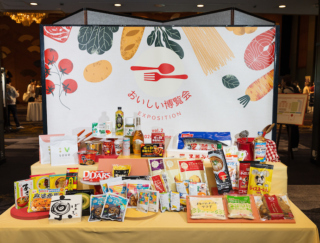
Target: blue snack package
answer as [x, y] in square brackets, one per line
[203, 140]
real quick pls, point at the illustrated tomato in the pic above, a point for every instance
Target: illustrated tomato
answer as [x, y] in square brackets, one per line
[69, 86]
[47, 70]
[222, 176]
[50, 56]
[65, 66]
[50, 86]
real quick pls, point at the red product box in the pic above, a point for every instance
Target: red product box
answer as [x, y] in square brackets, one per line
[95, 175]
[157, 137]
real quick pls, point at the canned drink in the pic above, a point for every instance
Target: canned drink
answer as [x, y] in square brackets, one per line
[94, 147]
[118, 146]
[108, 147]
[86, 158]
[126, 146]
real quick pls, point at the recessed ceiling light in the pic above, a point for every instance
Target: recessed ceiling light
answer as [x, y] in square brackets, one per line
[34, 4]
[117, 4]
[282, 6]
[200, 5]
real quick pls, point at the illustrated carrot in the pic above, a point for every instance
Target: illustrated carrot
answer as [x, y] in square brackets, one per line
[87, 135]
[258, 89]
[79, 134]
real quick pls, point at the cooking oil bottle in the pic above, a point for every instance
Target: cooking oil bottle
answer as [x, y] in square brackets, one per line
[260, 148]
[119, 122]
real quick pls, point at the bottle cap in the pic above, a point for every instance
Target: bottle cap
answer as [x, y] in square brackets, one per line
[126, 139]
[260, 133]
[129, 120]
[119, 108]
[219, 146]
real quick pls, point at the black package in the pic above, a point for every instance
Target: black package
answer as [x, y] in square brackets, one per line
[85, 199]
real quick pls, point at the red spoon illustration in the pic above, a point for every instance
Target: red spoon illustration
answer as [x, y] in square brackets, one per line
[164, 68]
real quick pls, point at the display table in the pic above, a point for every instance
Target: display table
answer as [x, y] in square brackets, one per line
[164, 227]
[34, 112]
[279, 177]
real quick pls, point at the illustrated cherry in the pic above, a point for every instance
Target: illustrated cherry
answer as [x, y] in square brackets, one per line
[50, 56]
[69, 86]
[65, 66]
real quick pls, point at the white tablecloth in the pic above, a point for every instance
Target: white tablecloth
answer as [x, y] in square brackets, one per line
[34, 112]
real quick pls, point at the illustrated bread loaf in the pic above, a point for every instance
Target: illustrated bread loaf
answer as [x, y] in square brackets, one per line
[97, 71]
[130, 41]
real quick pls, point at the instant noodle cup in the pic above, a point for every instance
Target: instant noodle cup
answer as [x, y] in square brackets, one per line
[260, 178]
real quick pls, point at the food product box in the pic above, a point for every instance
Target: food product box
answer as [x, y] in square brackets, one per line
[95, 175]
[152, 150]
[21, 192]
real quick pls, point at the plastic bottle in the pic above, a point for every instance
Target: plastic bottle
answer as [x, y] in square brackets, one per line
[129, 131]
[260, 148]
[126, 146]
[119, 122]
[102, 124]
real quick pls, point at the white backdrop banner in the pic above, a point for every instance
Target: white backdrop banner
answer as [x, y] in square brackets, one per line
[174, 78]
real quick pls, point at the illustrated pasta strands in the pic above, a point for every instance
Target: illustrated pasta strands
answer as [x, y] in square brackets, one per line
[211, 50]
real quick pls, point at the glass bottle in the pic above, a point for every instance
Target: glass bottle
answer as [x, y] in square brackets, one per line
[138, 138]
[119, 122]
[129, 131]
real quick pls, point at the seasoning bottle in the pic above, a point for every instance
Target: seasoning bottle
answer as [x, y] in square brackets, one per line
[126, 146]
[138, 138]
[129, 131]
[102, 123]
[119, 122]
[260, 148]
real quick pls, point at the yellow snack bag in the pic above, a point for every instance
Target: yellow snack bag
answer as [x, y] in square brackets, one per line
[121, 170]
[260, 177]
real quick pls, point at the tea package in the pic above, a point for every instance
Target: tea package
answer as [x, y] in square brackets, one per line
[118, 187]
[143, 200]
[121, 170]
[207, 208]
[164, 201]
[197, 189]
[96, 206]
[41, 181]
[114, 208]
[21, 192]
[132, 191]
[40, 200]
[72, 179]
[173, 171]
[104, 183]
[175, 201]
[154, 201]
[239, 207]
[260, 178]
[220, 170]
[57, 181]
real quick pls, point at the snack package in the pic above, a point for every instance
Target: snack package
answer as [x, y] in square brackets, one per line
[143, 200]
[164, 201]
[183, 187]
[21, 192]
[95, 175]
[132, 191]
[41, 181]
[135, 177]
[197, 189]
[203, 140]
[260, 178]
[156, 167]
[244, 170]
[183, 202]
[40, 200]
[285, 206]
[273, 205]
[114, 208]
[207, 208]
[239, 207]
[96, 207]
[118, 187]
[121, 170]
[175, 201]
[158, 183]
[72, 179]
[173, 171]
[86, 194]
[193, 171]
[104, 183]
[154, 201]
[57, 181]
[231, 154]
[220, 170]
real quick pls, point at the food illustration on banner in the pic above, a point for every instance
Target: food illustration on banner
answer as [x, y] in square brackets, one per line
[230, 81]
[57, 33]
[211, 50]
[130, 41]
[164, 68]
[242, 30]
[260, 52]
[258, 89]
[96, 39]
[97, 71]
[166, 32]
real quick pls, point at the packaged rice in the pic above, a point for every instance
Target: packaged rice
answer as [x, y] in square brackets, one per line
[244, 170]
[96, 207]
[154, 201]
[172, 168]
[118, 187]
[158, 183]
[239, 207]
[143, 200]
[40, 200]
[164, 201]
[41, 181]
[193, 171]
[21, 192]
[183, 187]
[175, 201]
[104, 183]
[57, 181]
[114, 208]
[132, 191]
[260, 178]
[197, 189]
[207, 208]
[121, 170]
